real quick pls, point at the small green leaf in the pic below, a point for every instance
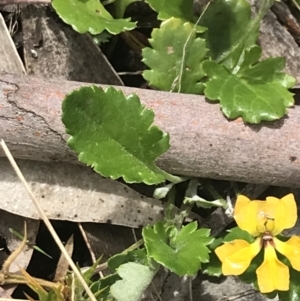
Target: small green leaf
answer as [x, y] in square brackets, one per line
[166, 9]
[176, 57]
[102, 37]
[121, 6]
[249, 276]
[186, 250]
[114, 134]
[90, 16]
[137, 256]
[21, 237]
[213, 267]
[238, 233]
[228, 21]
[263, 97]
[135, 280]
[293, 294]
[101, 288]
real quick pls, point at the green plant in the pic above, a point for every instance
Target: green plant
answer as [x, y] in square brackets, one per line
[215, 54]
[114, 134]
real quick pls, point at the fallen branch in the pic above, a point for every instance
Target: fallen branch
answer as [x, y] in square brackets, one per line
[203, 142]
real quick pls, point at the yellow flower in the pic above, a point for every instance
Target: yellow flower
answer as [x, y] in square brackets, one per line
[263, 220]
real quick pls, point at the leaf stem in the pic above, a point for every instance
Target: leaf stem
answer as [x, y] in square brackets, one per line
[169, 211]
[172, 178]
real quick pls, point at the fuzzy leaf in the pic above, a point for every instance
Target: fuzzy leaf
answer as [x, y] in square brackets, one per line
[114, 134]
[172, 67]
[186, 251]
[135, 280]
[90, 16]
[166, 9]
[256, 93]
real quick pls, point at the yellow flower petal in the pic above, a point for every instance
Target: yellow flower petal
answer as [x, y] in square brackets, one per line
[273, 215]
[272, 274]
[236, 255]
[290, 249]
[283, 211]
[245, 214]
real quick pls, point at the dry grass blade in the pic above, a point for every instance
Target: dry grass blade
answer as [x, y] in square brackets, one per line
[63, 265]
[47, 222]
[6, 265]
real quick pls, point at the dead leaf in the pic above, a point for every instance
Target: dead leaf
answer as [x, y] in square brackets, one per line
[63, 265]
[74, 193]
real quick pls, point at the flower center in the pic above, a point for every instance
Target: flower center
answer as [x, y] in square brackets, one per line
[265, 223]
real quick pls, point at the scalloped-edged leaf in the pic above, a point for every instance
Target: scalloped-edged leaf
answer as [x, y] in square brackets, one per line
[135, 279]
[186, 251]
[175, 58]
[257, 93]
[90, 16]
[166, 9]
[114, 134]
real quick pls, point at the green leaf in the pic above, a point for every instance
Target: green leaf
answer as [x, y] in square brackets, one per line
[135, 280]
[293, 294]
[213, 267]
[121, 6]
[21, 237]
[182, 9]
[90, 16]
[185, 251]
[114, 134]
[102, 37]
[263, 97]
[249, 276]
[227, 23]
[101, 288]
[238, 233]
[176, 57]
[137, 256]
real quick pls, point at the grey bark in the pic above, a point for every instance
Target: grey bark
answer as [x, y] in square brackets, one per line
[203, 142]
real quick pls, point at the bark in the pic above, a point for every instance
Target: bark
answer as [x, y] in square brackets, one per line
[203, 142]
